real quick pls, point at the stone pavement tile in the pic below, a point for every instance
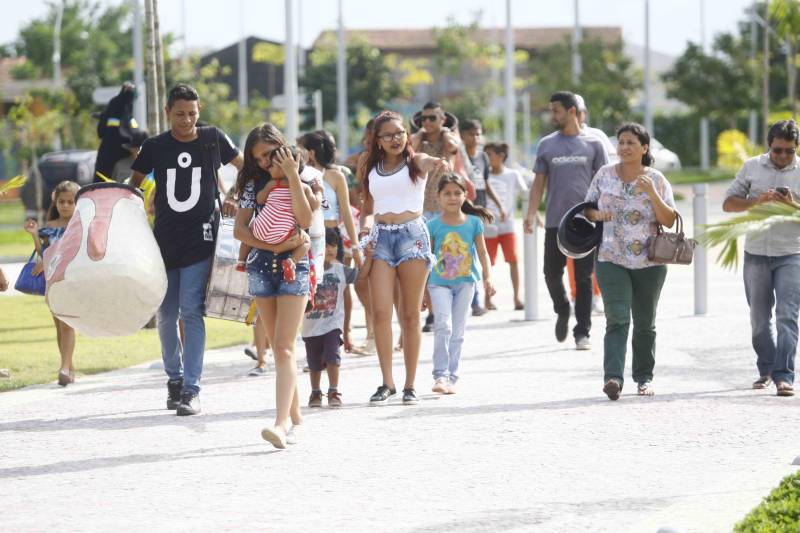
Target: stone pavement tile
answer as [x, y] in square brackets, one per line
[529, 443]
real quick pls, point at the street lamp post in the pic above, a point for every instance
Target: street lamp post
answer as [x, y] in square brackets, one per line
[510, 128]
[57, 63]
[139, 108]
[341, 89]
[648, 105]
[290, 75]
[242, 64]
[704, 155]
[577, 37]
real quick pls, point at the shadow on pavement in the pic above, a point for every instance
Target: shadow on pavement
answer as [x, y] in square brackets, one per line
[627, 401]
[99, 463]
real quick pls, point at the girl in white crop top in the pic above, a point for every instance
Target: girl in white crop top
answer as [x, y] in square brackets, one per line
[394, 177]
[395, 192]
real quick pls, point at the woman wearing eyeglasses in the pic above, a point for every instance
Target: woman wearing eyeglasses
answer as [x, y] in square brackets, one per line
[394, 179]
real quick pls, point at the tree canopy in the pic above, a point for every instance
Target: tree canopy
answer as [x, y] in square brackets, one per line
[370, 81]
[96, 46]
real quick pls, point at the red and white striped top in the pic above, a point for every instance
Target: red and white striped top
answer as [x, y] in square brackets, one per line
[275, 223]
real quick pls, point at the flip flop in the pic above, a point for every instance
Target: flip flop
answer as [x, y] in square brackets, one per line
[784, 388]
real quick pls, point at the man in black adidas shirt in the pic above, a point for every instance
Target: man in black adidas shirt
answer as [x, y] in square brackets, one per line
[184, 161]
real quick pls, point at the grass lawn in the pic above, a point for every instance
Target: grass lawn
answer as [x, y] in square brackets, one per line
[15, 243]
[12, 212]
[780, 511]
[28, 344]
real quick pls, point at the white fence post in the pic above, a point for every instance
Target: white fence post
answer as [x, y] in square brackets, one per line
[700, 253]
[531, 273]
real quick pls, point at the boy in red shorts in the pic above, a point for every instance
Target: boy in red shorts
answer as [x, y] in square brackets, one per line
[507, 184]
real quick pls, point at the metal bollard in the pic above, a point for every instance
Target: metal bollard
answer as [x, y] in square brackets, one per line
[700, 253]
[531, 268]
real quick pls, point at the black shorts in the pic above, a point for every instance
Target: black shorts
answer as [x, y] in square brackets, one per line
[324, 350]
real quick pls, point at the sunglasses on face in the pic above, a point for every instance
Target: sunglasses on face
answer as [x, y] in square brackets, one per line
[388, 137]
[429, 118]
[787, 151]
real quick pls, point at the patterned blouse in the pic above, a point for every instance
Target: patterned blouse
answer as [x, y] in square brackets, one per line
[633, 221]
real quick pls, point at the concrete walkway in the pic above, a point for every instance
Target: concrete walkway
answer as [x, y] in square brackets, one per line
[529, 443]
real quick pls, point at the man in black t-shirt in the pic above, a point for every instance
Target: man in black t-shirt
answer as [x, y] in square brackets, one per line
[184, 161]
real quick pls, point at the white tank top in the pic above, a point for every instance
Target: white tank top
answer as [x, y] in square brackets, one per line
[396, 193]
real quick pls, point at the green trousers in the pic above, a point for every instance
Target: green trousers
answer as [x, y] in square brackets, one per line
[630, 293]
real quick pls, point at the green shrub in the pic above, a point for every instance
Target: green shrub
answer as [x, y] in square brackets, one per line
[779, 512]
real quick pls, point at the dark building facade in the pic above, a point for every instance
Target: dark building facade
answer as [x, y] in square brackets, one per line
[264, 70]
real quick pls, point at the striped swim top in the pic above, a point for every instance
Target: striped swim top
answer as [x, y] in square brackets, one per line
[275, 222]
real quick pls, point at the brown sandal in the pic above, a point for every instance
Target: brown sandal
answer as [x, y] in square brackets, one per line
[784, 388]
[612, 389]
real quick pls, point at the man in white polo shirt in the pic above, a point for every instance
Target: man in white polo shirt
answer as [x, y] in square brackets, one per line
[772, 258]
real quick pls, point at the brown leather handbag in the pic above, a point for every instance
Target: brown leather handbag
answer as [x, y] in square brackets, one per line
[671, 248]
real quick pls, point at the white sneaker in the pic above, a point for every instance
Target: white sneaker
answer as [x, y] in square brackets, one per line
[583, 343]
[441, 386]
[597, 306]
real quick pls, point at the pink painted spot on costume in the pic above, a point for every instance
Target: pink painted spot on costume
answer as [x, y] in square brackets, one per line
[61, 254]
[104, 202]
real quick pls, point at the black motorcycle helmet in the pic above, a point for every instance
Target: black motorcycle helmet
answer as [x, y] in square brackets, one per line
[577, 235]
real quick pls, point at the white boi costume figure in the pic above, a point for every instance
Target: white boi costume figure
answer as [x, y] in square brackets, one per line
[105, 276]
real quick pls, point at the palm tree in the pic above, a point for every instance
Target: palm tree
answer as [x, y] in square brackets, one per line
[760, 218]
[786, 14]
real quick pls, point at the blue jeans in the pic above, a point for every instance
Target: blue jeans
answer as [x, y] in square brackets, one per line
[768, 282]
[450, 308]
[185, 298]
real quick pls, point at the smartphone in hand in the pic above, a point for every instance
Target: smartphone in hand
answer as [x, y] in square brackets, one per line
[782, 190]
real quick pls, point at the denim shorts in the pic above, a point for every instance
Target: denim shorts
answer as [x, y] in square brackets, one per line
[398, 243]
[265, 275]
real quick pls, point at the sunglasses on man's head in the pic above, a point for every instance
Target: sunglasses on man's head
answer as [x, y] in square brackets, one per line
[430, 118]
[787, 151]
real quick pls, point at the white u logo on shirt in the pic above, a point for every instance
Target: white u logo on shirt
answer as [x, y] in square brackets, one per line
[181, 206]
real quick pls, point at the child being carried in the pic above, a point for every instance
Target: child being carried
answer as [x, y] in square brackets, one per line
[275, 222]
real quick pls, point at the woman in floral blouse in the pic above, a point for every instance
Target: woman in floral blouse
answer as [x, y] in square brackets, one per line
[632, 199]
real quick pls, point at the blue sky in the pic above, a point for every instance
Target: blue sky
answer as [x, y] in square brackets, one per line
[213, 24]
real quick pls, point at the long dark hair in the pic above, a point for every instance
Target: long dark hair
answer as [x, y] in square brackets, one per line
[467, 207]
[643, 135]
[321, 145]
[267, 133]
[64, 186]
[375, 153]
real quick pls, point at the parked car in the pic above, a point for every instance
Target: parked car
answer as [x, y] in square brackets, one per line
[664, 159]
[55, 167]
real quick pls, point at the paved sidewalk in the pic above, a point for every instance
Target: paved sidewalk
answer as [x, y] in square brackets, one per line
[529, 443]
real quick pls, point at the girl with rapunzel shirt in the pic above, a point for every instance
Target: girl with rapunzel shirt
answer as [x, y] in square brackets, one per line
[458, 244]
